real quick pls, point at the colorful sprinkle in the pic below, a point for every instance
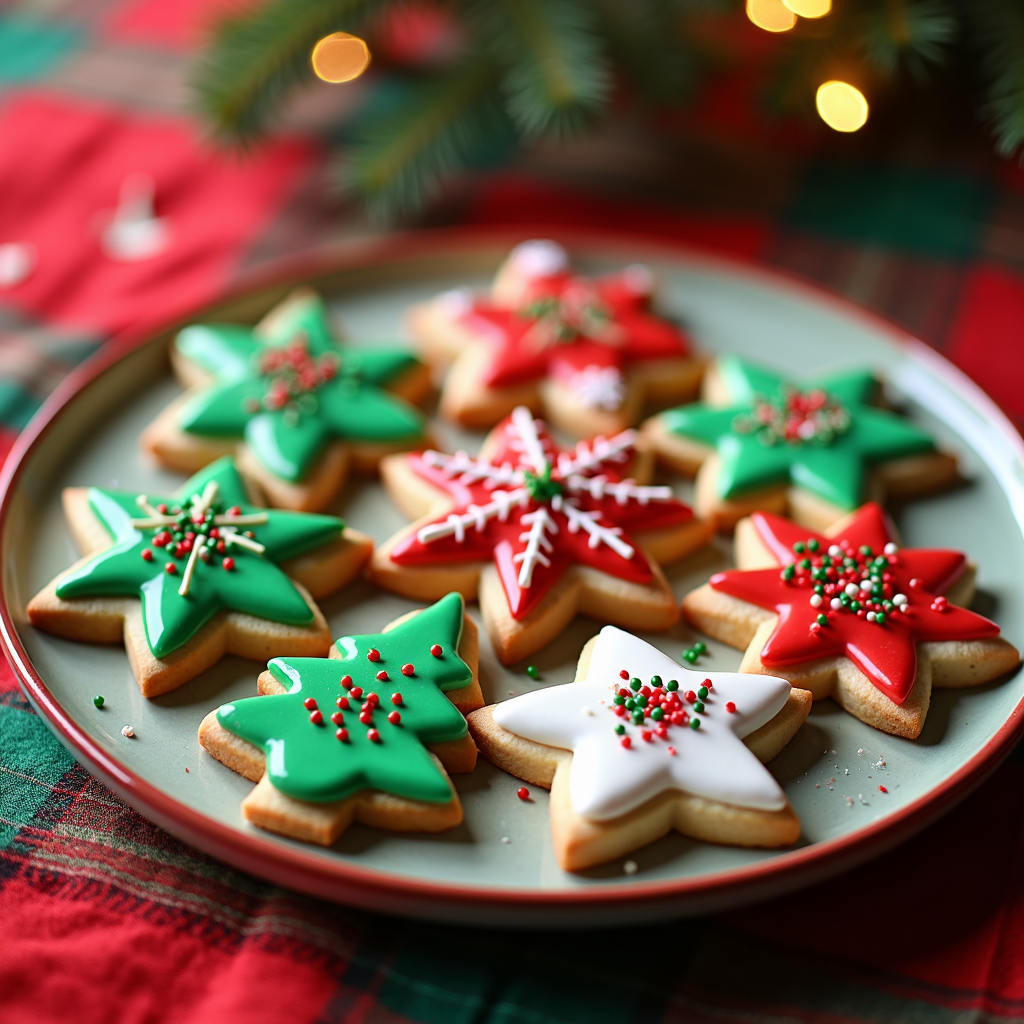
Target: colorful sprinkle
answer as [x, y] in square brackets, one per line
[396, 698]
[408, 670]
[373, 736]
[316, 717]
[98, 700]
[730, 706]
[523, 793]
[382, 676]
[533, 672]
[309, 704]
[436, 651]
[127, 732]
[228, 563]
[394, 718]
[373, 655]
[341, 734]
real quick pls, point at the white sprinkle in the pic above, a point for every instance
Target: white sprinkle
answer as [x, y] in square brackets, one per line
[860, 796]
[835, 604]
[846, 771]
[505, 839]
[866, 585]
[127, 732]
[860, 750]
[816, 600]
[890, 548]
[631, 867]
[870, 616]
[849, 801]
[831, 751]
[852, 590]
[900, 600]
[904, 608]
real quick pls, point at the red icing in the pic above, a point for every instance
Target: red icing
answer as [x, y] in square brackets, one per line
[887, 653]
[501, 540]
[524, 352]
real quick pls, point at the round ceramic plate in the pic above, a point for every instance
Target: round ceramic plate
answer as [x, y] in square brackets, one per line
[498, 866]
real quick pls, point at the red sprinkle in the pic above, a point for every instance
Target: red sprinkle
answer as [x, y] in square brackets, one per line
[672, 751]
[690, 696]
[408, 670]
[647, 735]
[229, 563]
[623, 674]
[338, 718]
[394, 718]
[373, 736]
[373, 654]
[396, 698]
[171, 569]
[882, 789]
[620, 710]
[162, 509]
[342, 703]
[342, 734]
[346, 681]
[382, 676]
[436, 651]
[147, 555]
[523, 793]
[366, 717]
[626, 742]
[316, 717]
[356, 691]
[309, 704]
[373, 699]
[710, 685]
[730, 706]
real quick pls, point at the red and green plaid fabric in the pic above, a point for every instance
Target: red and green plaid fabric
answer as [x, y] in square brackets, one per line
[104, 917]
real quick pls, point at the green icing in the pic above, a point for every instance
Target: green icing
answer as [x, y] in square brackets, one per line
[292, 388]
[255, 585]
[831, 463]
[307, 761]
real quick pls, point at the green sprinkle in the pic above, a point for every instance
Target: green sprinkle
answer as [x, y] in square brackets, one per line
[533, 672]
[698, 706]
[822, 619]
[702, 692]
[641, 700]
[655, 680]
[630, 704]
[690, 656]
[657, 714]
[804, 563]
[635, 684]
[865, 551]
[788, 573]
[880, 617]
[618, 699]
[620, 729]
[700, 647]
[855, 606]
[813, 545]
[98, 700]
[799, 547]
[672, 685]
[694, 723]
[819, 589]
[638, 717]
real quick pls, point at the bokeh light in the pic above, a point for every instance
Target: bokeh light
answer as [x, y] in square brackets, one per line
[809, 8]
[340, 57]
[771, 15]
[841, 106]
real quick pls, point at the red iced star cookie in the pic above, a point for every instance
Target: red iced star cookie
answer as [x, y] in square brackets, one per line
[589, 352]
[540, 533]
[851, 615]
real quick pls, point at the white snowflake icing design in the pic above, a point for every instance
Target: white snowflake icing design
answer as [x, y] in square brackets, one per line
[599, 387]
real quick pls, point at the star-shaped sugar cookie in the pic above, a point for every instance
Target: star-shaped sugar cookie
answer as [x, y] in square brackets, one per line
[367, 734]
[638, 746]
[296, 406]
[850, 614]
[817, 448]
[185, 579]
[587, 352]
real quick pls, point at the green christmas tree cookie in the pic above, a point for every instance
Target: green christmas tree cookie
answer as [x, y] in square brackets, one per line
[817, 448]
[296, 404]
[368, 733]
[190, 576]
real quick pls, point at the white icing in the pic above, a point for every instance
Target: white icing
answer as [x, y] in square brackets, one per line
[456, 302]
[607, 780]
[17, 261]
[639, 279]
[539, 258]
[134, 232]
[598, 387]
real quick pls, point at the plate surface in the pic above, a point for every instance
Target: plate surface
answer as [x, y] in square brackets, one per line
[498, 866]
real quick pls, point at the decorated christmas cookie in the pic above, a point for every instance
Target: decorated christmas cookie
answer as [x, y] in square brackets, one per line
[184, 580]
[368, 734]
[638, 746]
[816, 448]
[539, 533]
[850, 614]
[588, 352]
[297, 407]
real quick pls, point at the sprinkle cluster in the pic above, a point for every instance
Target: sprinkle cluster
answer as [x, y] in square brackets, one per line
[575, 312]
[796, 417]
[658, 705]
[293, 375]
[848, 580]
[363, 703]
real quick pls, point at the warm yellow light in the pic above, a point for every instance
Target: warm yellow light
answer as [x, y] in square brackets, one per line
[340, 57]
[771, 15]
[841, 106]
[809, 8]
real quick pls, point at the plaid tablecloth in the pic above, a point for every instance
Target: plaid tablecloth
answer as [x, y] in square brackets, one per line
[103, 917]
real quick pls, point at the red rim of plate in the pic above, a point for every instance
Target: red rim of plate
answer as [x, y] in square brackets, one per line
[351, 883]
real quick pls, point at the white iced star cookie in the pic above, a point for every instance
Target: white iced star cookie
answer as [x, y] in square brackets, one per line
[638, 746]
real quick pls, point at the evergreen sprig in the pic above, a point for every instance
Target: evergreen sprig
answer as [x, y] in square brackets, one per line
[548, 70]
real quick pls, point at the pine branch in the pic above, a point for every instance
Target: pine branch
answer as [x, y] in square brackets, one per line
[911, 32]
[258, 57]
[556, 74]
[399, 162]
[999, 32]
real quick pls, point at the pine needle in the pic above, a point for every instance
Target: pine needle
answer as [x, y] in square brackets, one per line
[999, 33]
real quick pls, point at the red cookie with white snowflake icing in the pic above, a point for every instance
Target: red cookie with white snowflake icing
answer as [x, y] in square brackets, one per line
[539, 532]
[588, 351]
[850, 614]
